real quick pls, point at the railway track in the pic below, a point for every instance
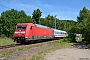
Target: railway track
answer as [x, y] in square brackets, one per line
[18, 44]
[9, 46]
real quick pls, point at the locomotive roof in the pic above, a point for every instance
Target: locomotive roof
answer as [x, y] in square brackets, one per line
[24, 23]
[42, 26]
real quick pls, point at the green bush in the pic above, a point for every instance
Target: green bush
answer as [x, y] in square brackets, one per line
[88, 45]
[67, 40]
[2, 35]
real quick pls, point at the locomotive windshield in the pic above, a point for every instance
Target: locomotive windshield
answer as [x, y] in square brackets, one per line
[20, 27]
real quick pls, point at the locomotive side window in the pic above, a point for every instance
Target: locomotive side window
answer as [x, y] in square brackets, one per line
[21, 27]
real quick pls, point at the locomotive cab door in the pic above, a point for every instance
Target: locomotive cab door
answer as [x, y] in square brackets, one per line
[31, 37]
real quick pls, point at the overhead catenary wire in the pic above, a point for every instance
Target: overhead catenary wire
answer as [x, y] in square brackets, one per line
[4, 6]
[10, 3]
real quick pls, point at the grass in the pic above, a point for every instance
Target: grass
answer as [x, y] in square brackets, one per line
[58, 45]
[7, 53]
[6, 41]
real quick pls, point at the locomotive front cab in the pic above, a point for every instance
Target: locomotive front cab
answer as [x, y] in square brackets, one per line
[19, 33]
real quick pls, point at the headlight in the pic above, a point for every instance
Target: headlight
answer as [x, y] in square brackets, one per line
[23, 32]
[16, 32]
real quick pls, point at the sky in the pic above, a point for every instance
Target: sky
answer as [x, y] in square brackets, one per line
[63, 9]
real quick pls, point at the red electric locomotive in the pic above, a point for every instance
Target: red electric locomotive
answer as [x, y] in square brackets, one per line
[25, 32]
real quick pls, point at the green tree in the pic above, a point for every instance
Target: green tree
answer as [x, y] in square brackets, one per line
[36, 15]
[83, 24]
[23, 17]
[83, 14]
[9, 19]
[0, 26]
[50, 21]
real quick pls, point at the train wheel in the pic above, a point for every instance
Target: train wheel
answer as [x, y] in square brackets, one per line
[32, 41]
[17, 41]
